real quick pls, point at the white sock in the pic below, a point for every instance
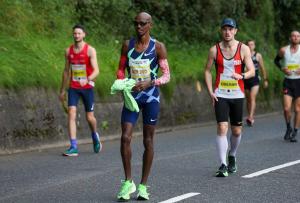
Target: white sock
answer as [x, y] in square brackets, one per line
[234, 144]
[222, 146]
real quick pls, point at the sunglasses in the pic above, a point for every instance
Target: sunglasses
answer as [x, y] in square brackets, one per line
[141, 23]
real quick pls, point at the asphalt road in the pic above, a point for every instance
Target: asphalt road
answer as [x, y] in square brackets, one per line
[185, 162]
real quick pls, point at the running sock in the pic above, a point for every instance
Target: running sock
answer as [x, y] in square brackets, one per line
[73, 143]
[288, 125]
[222, 146]
[95, 136]
[296, 130]
[234, 144]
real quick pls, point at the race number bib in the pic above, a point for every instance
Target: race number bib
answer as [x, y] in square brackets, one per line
[292, 67]
[140, 69]
[78, 72]
[229, 84]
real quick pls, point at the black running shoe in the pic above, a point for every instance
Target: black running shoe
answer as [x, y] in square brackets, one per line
[288, 132]
[250, 122]
[222, 172]
[232, 168]
[293, 137]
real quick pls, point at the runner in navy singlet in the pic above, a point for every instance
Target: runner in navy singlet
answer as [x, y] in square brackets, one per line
[252, 84]
[142, 57]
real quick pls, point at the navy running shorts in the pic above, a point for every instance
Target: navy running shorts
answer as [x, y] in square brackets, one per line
[87, 96]
[150, 113]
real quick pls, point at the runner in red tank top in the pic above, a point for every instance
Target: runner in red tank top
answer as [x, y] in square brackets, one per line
[229, 56]
[81, 68]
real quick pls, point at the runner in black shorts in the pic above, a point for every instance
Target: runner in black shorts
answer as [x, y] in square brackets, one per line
[252, 84]
[229, 57]
[291, 85]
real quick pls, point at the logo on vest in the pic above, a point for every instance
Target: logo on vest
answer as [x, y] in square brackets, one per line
[237, 62]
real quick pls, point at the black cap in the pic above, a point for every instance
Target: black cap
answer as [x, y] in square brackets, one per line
[228, 22]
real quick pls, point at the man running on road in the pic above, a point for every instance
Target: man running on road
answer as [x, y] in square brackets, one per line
[142, 56]
[252, 84]
[290, 55]
[229, 57]
[81, 69]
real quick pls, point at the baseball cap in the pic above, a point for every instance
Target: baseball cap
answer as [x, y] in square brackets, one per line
[229, 22]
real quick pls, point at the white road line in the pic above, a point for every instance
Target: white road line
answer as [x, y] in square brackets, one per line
[258, 173]
[181, 197]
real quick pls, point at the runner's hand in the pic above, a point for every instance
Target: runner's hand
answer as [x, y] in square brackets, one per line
[297, 71]
[62, 96]
[237, 76]
[83, 82]
[213, 98]
[287, 71]
[140, 86]
[266, 84]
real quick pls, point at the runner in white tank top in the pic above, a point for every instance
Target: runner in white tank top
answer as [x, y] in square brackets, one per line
[290, 56]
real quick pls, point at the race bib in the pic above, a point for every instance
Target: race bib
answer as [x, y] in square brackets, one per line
[78, 72]
[293, 67]
[228, 84]
[140, 69]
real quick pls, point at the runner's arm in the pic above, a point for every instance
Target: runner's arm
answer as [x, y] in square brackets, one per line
[163, 64]
[248, 62]
[208, 75]
[279, 57]
[66, 74]
[123, 60]
[94, 63]
[262, 66]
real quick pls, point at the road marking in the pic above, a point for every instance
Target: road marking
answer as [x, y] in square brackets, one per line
[258, 173]
[181, 197]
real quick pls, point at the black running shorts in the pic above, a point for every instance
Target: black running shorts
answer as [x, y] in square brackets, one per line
[229, 108]
[291, 87]
[251, 82]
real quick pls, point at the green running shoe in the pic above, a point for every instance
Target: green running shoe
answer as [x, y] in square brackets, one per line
[222, 172]
[71, 152]
[97, 145]
[143, 194]
[127, 188]
[232, 168]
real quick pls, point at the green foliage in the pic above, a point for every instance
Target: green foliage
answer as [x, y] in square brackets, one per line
[286, 18]
[34, 34]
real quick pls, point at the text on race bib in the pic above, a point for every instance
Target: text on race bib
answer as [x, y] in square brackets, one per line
[229, 84]
[293, 67]
[140, 69]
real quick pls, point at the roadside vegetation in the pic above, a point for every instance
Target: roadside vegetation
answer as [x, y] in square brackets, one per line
[35, 33]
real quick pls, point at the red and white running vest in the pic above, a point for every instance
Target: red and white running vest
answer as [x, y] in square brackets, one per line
[81, 67]
[226, 86]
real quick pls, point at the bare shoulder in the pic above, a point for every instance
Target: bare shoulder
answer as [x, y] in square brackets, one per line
[126, 43]
[91, 50]
[124, 48]
[258, 55]
[160, 50]
[245, 48]
[159, 45]
[67, 51]
[212, 51]
[282, 50]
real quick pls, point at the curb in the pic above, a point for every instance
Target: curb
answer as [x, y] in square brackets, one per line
[117, 136]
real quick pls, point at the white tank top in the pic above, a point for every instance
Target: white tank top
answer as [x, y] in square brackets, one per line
[292, 61]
